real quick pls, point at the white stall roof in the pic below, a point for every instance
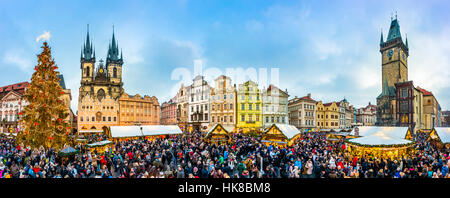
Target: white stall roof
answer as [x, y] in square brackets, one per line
[397, 132]
[125, 131]
[150, 130]
[288, 130]
[379, 138]
[90, 131]
[444, 134]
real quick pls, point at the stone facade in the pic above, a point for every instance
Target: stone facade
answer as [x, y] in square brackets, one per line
[199, 109]
[367, 116]
[275, 106]
[182, 106]
[11, 103]
[302, 112]
[137, 110]
[249, 107]
[98, 101]
[327, 115]
[223, 103]
[169, 113]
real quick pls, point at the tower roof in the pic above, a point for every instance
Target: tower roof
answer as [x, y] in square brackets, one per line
[87, 53]
[113, 50]
[394, 31]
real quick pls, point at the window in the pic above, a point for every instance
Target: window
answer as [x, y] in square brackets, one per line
[104, 118]
[115, 119]
[81, 118]
[231, 118]
[404, 92]
[93, 118]
[242, 106]
[257, 106]
[249, 97]
[115, 72]
[224, 97]
[109, 119]
[242, 118]
[257, 117]
[250, 107]
[242, 97]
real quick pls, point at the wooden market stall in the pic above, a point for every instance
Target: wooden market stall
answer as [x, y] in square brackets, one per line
[120, 133]
[100, 147]
[440, 137]
[280, 135]
[217, 134]
[381, 142]
[155, 131]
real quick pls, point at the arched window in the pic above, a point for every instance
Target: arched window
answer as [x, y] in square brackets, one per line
[115, 72]
[87, 71]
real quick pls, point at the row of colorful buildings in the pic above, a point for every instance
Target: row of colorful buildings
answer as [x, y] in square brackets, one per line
[243, 108]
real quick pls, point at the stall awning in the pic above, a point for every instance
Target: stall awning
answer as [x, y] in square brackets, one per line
[151, 130]
[289, 131]
[379, 138]
[90, 131]
[101, 143]
[444, 134]
[397, 132]
[125, 131]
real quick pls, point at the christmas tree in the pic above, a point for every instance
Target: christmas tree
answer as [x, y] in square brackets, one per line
[43, 120]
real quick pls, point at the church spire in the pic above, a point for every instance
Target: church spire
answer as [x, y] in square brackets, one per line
[113, 50]
[407, 42]
[87, 51]
[394, 30]
[381, 40]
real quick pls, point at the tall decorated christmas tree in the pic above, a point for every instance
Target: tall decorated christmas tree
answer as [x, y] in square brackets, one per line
[43, 120]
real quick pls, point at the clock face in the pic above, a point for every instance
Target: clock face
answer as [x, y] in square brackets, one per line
[390, 53]
[101, 70]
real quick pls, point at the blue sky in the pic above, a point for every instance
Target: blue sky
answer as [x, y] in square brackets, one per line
[327, 48]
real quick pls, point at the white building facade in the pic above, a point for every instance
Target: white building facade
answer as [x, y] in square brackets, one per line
[199, 104]
[275, 106]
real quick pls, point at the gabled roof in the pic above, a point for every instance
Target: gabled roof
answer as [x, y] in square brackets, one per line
[443, 133]
[289, 131]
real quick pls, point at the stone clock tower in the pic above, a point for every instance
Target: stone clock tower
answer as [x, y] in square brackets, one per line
[394, 66]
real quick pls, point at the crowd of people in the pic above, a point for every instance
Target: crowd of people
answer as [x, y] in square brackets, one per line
[189, 156]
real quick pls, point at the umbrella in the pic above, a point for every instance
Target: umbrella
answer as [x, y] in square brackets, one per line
[67, 151]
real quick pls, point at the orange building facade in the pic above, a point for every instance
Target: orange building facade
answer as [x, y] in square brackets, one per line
[137, 110]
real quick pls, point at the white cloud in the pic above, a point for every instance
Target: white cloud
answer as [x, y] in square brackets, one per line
[326, 48]
[18, 58]
[44, 36]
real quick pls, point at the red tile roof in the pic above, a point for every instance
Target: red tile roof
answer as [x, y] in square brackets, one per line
[307, 98]
[425, 92]
[18, 87]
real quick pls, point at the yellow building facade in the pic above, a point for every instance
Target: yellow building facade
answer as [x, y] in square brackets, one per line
[249, 107]
[137, 110]
[327, 115]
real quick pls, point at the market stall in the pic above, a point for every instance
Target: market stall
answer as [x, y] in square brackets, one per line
[100, 147]
[440, 137]
[155, 131]
[384, 142]
[217, 134]
[119, 133]
[280, 135]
